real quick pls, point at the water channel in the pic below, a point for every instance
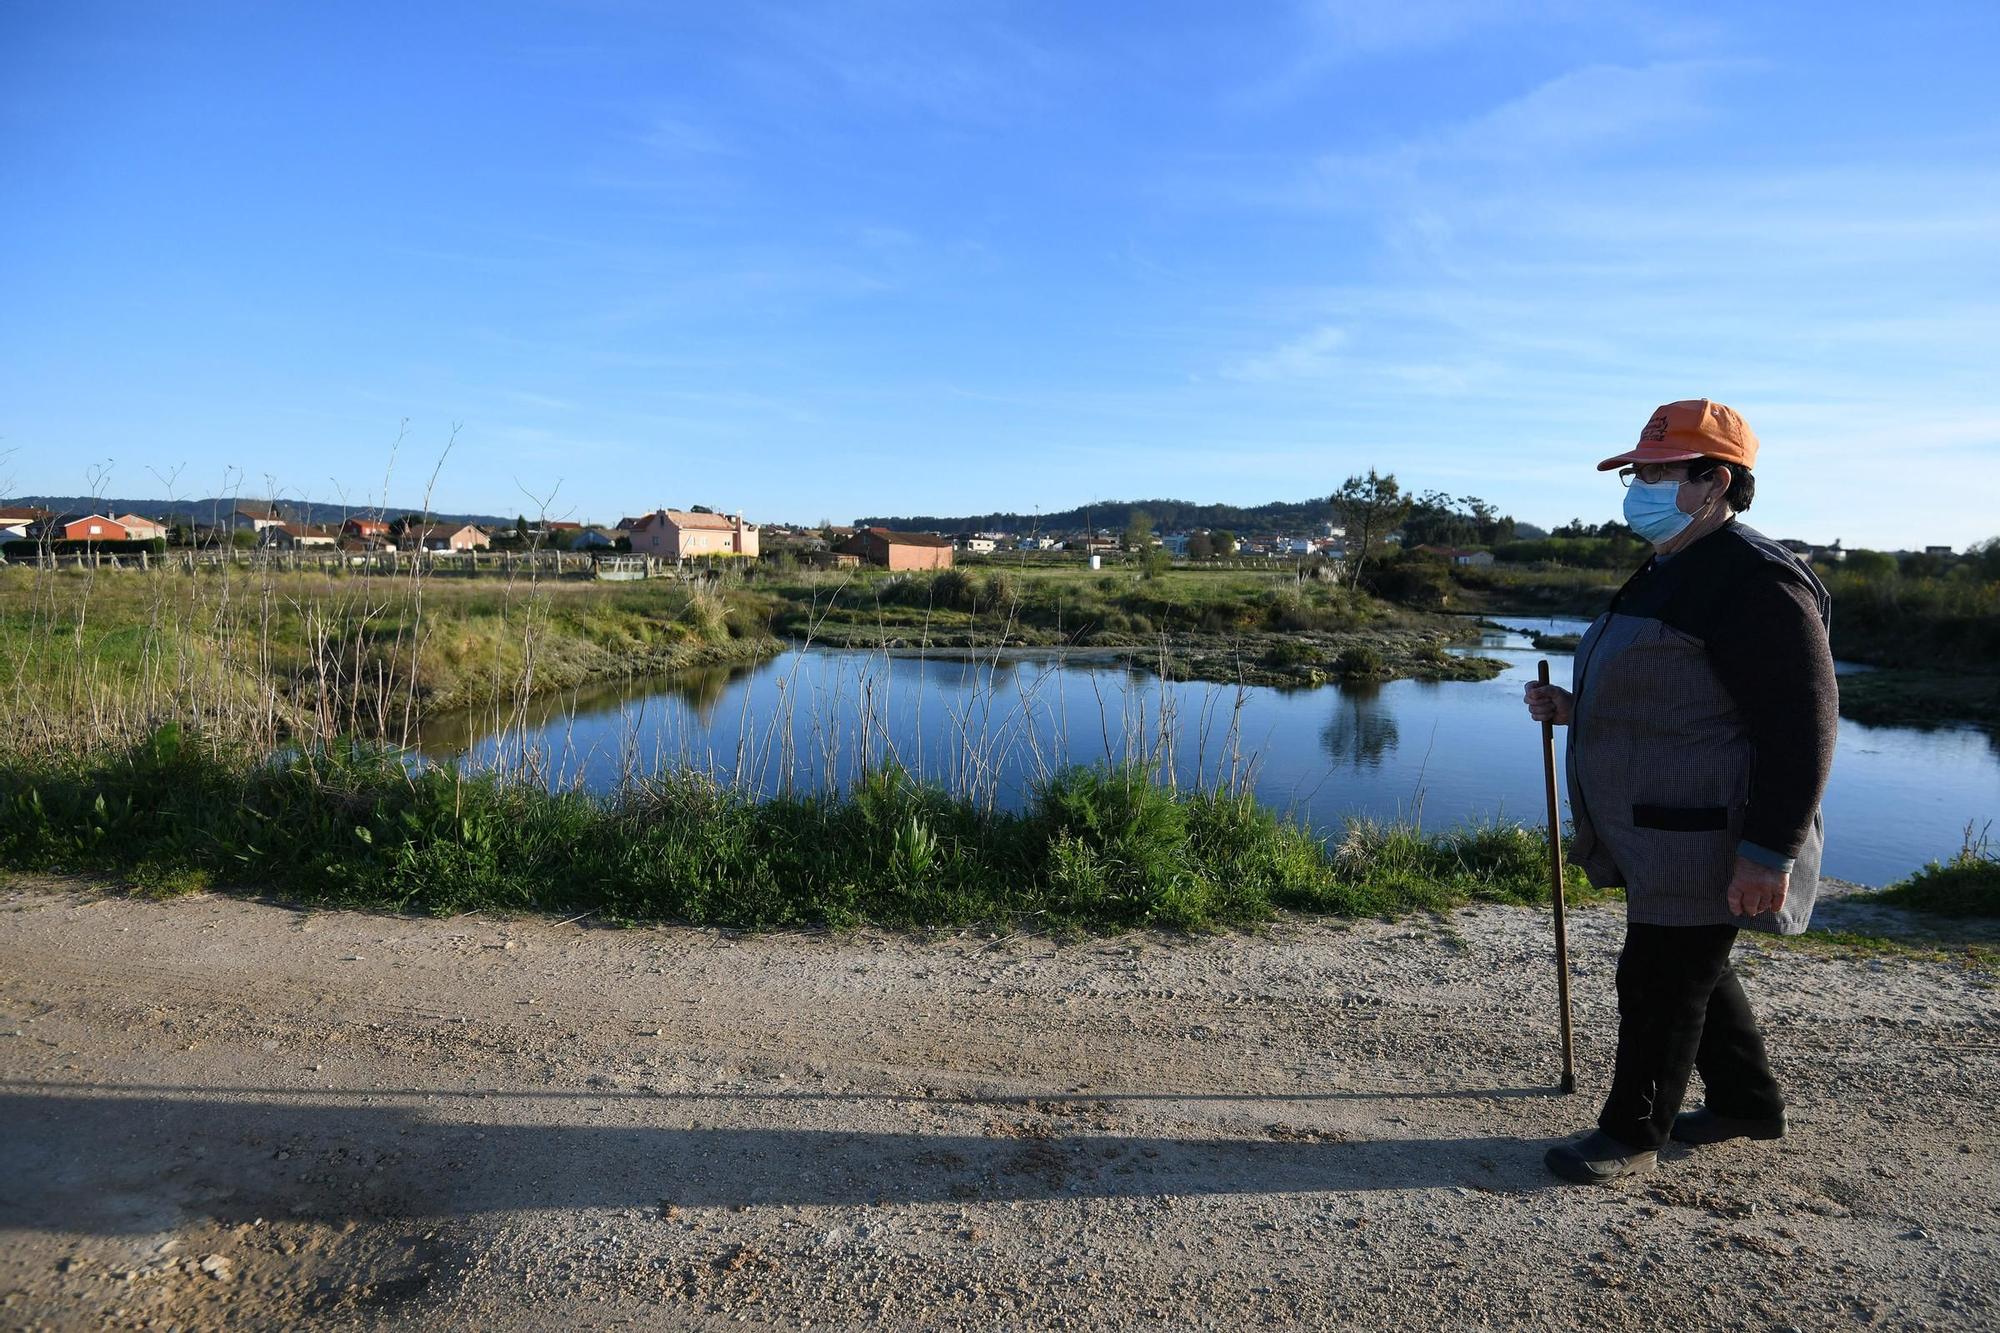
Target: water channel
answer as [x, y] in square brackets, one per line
[1444, 753]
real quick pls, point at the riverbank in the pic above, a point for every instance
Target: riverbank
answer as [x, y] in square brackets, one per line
[1097, 849]
[1301, 660]
[270, 657]
[221, 1111]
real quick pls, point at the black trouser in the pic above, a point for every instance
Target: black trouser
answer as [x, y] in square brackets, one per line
[1681, 1009]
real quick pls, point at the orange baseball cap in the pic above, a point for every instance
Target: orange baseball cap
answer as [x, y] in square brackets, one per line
[1691, 428]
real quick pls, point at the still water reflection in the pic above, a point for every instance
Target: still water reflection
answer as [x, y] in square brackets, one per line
[1442, 752]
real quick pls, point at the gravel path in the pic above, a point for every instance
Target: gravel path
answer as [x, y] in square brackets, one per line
[219, 1113]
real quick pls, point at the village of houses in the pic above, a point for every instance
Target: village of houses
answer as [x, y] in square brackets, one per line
[634, 546]
[664, 536]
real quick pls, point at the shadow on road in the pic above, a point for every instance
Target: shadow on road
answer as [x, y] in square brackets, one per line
[128, 1164]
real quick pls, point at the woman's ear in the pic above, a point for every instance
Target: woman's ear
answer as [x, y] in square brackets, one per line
[1724, 476]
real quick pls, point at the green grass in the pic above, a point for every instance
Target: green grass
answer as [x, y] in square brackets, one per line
[1848, 946]
[1910, 697]
[1537, 589]
[1938, 639]
[1067, 604]
[1968, 885]
[87, 658]
[1947, 623]
[1936, 636]
[1096, 849]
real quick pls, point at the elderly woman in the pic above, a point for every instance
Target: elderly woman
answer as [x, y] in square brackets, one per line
[1701, 720]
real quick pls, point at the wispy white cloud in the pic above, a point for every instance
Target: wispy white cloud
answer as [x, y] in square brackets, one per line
[1346, 29]
[961, 64]
[1329, 36]
[1847, 307]
[1583, 116]
[1585, 108]
[1311, 356]
[1569, 118]
[677, 136]
[877, 237]
[541, 401]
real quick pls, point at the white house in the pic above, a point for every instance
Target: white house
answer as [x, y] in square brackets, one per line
[299, 536]
[1458, 556]
[254, 517]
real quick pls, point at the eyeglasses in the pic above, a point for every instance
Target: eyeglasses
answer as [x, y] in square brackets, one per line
[1651, 473]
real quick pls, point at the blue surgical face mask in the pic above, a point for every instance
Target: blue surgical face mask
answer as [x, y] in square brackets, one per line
[1652, 512]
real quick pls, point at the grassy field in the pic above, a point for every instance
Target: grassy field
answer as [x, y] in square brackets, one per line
[93, 658]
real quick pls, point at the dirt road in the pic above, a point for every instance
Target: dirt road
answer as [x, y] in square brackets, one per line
[218, 1113]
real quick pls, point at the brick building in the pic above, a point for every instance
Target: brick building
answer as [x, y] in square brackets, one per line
[899, 550]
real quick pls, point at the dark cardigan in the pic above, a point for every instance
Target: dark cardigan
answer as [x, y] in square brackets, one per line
[1703, 729]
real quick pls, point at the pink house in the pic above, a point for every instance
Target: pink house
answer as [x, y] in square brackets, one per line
[443, 537]
[140, 529]
[678, 534]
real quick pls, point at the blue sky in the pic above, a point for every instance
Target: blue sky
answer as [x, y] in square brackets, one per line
[815, 261]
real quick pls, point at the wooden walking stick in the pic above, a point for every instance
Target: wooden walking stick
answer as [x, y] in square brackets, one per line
[1556, 891]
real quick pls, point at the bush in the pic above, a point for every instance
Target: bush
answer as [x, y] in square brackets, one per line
[1415, 578]
[706, 616]
[1869, 565]
[1288, 653]
[1966, 885]
[998, 592]
[952, 589]
[1895, 620]
[1359, 661]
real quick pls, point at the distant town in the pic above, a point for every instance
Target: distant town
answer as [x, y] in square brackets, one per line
[47, 526]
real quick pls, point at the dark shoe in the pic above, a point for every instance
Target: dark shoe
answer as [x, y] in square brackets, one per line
[1597, 1158]
[1705, 1126]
